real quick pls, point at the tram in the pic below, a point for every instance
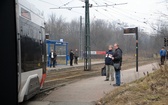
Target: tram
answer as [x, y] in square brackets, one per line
[31, 49]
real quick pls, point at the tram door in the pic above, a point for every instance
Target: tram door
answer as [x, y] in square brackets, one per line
[43, 49]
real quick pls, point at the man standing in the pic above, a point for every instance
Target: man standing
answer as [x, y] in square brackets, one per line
[162, 55]
[71, 57]
[117, 59]
[109, 64]
[76, 56]
[52, 58]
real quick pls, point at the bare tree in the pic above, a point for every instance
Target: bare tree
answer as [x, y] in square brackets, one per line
[103, 33]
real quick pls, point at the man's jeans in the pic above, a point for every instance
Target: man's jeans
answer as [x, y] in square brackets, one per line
[117, 75]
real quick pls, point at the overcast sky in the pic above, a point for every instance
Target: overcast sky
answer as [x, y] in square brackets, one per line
[134, 12]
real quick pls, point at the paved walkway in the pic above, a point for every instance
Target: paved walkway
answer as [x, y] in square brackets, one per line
[87, 91]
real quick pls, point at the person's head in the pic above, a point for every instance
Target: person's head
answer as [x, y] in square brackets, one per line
[76, 49]
[162, 47]
[51, 50]
[116, 46]
[110, 47]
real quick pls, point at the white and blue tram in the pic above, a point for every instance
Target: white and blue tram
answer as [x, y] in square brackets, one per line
[31, 49]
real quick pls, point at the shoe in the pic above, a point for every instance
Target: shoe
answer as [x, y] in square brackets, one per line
[115, 85]
[106, 80]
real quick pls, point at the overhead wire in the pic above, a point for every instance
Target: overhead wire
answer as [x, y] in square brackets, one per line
[62, 5]
[100, 12]
[126, 16]
[47, 2]
[107, 12]
[134, 14]
[130, 12]
[65, 4]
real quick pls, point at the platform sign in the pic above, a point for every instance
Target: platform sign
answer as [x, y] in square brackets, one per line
[129, 31]
[133, 31]
[93, 52]
[47, 36]
[61, 40]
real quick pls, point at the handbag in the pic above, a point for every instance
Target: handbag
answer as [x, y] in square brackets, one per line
[116, 65]
[103, 71]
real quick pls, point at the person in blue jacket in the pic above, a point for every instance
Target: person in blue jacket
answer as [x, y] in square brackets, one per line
[162, 55]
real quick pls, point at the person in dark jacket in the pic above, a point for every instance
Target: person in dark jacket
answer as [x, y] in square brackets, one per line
[55, 59]
[109, 64]
[71, 57]
[52, 56]
[117, 59]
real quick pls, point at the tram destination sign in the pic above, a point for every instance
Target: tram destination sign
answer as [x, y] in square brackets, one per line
[129, 31]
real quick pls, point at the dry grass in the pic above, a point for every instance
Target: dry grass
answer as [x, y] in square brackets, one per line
[150, 90]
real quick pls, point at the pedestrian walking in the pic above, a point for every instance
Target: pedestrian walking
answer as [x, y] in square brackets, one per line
[76, 55]
[117, 59]
[109, 64]
[162, 55]
[71, 57]
[52, 56]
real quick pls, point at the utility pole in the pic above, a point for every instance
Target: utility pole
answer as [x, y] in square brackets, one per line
[136, 29]
[87, 57]
[80, 40]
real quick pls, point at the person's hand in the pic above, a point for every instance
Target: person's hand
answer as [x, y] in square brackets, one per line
[112, 58]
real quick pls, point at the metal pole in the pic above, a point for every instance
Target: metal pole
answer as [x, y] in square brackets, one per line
[87, 60]
[80, 47]
[66, 53]
[136, 49]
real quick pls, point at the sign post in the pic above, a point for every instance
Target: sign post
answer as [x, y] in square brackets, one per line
[133, 31]
[136, 29]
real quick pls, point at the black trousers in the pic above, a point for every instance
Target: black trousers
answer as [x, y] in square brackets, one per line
[52, 63]
[71, 62]
[162, 60]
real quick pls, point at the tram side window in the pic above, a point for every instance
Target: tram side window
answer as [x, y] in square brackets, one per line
[25, 13]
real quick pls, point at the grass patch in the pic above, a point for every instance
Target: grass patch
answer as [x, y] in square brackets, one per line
[149, 90]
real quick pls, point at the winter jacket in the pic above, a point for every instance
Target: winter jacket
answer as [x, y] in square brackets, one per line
[118, 56]
[71, 55]
[108, 57]
[162, 52]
